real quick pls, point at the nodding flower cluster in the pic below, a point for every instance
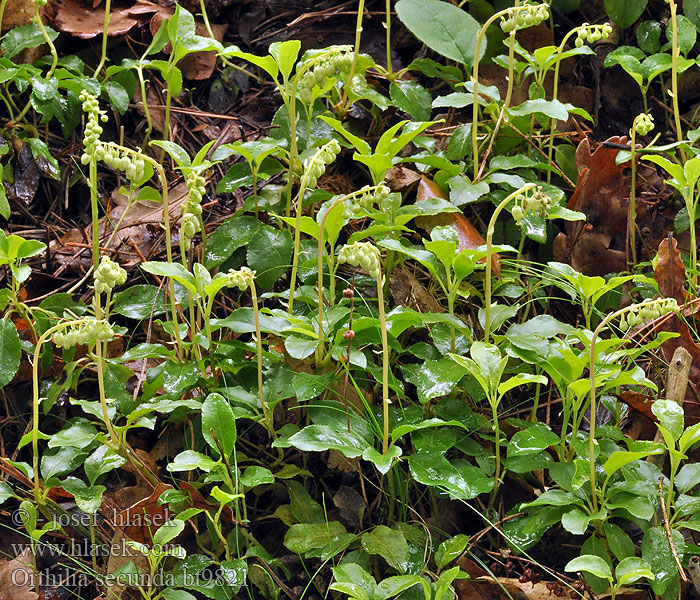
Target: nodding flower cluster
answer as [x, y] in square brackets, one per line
[638, 314]
[592, 34]
[191, 210]
[241, 279]
[338, 60]
[107, 275]
[366, 200]
[315, 167]
[111, 154]
[362, 254]
[538, 203]
[84, 333]
[643, 124]
[533, 15]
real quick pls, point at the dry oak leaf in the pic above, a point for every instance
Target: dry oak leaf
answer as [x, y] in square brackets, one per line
[82, 20]
[671, 277]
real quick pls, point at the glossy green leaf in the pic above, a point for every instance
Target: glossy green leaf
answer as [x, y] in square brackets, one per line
[412, 98]
[88, 498]
[448, 30]
[388, 543]
[590, 564]
[625, 12]
[218, 424]
[450, 549]
[304, 537]
[140, 302]
[269, 254]
[10, 351]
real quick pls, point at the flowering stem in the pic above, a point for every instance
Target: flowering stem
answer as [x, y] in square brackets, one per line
[489, 253]
[385, 362]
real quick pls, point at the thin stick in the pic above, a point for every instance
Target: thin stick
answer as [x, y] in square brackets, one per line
[681, 570]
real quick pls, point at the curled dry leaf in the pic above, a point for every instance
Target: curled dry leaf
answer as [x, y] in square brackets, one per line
[83, 20]
[469, 237]
[671, 277]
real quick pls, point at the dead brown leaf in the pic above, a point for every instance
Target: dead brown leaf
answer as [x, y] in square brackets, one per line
[17, 577]
[671, 277]
[83, 20]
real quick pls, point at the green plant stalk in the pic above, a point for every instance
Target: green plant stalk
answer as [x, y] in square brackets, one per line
[356, 50]
[475, 81]
[495, 402]
[489, 253]
[36, 401]
[144, 98]
[105, 31]
[385, 362]
[674, 77]
[632, 208]
[267, 415]
[555, 93]
[389, 67]
[591, 379]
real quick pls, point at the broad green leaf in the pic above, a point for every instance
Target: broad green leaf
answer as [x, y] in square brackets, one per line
[632, 569]
[101, 461]
[177, 152]
[657, 552]
[77, 433]
[140, 302]
[465, 482]
[188, 460]
[392, 586]
[10, 351]
[285, 53]
[383, 462]
[619, 459]
[532, 440]
[26, 36]
[450, 549]
[412, 98]
[671, 416]
[255, 476]
[619, 542]
[218, 420]
[442, 27]
[590, 564]
[304, 537]
[168, 532]
[625, 12]
[269, 254]
[88, 498]
[303, 507]
[388, 543]
[434, 378]
[174, 270]
[355, 575]
[317, 438]
[518, 380]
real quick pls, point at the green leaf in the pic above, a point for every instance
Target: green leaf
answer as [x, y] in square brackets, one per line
[77, 433]
[632, 569]
[532, 440]
[625, 12]
[174, 270]
[118, 96]
[65, 461]
[688, 477]
[10, 351]
[317, 438]
[269, 254]
[88, 499]
[448, 30]
[362, 584]
[657, 552]
[177, 152]
[101, 461]
[465, 482]
[255, 476]
[383, 462]
[450, 549]
[228, 237]
[590, 564]
[301, 347]
[412, 98]
[388, 543]
[168, 532]
[140, 302]
[649, 36]
[188, 460]
[304, 537]
[434, 378]
[171, 594]
[619, 542]
[671, 416]
[218, 420]
[26, 36]
[285, 53]
[518, 380]
[303, 507]
[392, 586]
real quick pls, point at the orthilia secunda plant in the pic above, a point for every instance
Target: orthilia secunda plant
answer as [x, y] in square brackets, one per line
[314, 168]
[643, 125]
[243, 279]
[336, 64]
[516, 17]
[191, 222]
[529, 199]
[367, 256]
[630, 316]
[353, 205]
[133, 163]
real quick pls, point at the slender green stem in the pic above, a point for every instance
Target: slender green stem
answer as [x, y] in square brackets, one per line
[489, 253]
[385, 362]
[632, 208]
[105, 31]
[258, 334]
[475, 81]
[494, 402]
[356, 49]
[674, 75]
[389, 68]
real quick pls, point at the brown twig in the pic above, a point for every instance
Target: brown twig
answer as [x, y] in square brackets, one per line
[681, 570]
